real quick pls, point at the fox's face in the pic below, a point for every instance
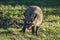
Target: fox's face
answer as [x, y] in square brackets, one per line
[29, 18]
[29, 15]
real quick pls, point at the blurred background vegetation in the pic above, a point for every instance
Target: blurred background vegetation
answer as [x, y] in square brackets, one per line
[12, 16]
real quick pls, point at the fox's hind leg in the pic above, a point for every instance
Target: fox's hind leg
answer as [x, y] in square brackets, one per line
[33, 30]
[36, 30]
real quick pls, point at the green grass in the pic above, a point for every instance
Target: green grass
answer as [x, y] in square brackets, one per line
[49, 30]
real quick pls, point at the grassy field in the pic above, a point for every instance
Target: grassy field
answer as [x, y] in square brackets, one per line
[12, 15]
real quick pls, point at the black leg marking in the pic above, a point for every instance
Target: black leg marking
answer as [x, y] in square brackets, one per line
[33, 30]
[36, 30]
[23, 29]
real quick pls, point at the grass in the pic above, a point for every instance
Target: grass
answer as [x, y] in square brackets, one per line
[49, 30]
